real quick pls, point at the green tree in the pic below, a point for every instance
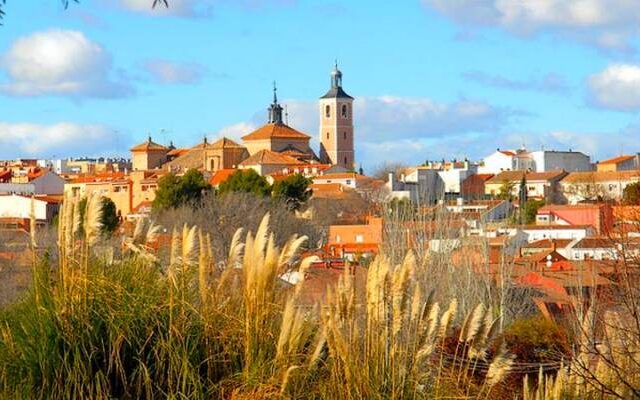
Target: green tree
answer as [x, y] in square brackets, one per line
[531, 208]
[109, 220]
[247, 181]
[294, 190]
[631, 195]
[506, 190]
[174, 191]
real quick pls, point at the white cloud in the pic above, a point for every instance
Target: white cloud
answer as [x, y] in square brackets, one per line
[236, 131]
[616, 87]
[63, 139]
[421, 126]
[169, 72]
[60, 63]
[607, 23]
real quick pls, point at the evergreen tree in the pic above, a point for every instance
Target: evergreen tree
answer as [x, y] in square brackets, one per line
[247, 181]
[174, 191]
[294, 190]
[631, 194]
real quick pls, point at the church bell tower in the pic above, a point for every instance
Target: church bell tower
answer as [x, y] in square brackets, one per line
[336, 125]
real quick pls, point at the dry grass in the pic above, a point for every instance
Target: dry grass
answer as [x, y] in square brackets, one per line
[198, 328]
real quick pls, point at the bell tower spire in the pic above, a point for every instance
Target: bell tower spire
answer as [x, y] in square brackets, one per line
[336, 124]
[275, 110]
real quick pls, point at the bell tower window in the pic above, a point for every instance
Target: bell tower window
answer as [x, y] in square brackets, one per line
[327, 111]
[327, 135]
[344, 111]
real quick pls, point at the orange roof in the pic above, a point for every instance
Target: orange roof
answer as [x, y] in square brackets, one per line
[507, 152]
[269, 131]
[106, 177]
[149, 145]
[529, 176]
[177, 152]
[617, 160]
[221, 176]
[601, 176]
[268, 157]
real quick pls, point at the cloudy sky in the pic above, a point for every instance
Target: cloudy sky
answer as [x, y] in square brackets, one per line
[432, 79]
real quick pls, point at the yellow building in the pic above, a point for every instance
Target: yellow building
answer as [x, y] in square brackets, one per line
[148, 155]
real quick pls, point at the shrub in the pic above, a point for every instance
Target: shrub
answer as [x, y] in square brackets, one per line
[537, 340]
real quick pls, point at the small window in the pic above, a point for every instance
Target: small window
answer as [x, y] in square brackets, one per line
[344, 111]
[359, 239]
[348, 181]
[327, 135]
[345, 135]
[337, 238]
[327, 111]
[345, 161]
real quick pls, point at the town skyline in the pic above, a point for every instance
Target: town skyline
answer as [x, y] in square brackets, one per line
[446, 87]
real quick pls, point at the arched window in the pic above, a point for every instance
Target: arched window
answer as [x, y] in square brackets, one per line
[327, 111]
[344, 111]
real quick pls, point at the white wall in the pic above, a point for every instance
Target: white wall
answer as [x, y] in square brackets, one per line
[14, 206]
[496, 163]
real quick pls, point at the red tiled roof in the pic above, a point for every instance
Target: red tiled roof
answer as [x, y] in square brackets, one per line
[601, 176]
[268, 157]
[270, 131]
[511, 176]
[149, 145]
[177, 152]
[507, 152]
[221, 176]
[616, 160]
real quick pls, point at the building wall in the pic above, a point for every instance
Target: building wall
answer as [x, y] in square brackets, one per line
[560, 160]
[496, 163]
[49, 183]
[575, 193]
[142, 160]
[14, 206]
[336, 132]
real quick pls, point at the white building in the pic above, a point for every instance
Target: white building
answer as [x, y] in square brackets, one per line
[45, 183]
[536, 161]
[422, 185]
[500, 160]
[19, 207]
[534, 232]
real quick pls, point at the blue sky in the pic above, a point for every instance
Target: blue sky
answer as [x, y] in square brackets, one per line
[432, 79]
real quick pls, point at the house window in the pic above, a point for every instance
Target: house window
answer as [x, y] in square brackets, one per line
[116, 189]
[611, 187]
[338, 238]
[144, 188]
[359, 239]
[348, 181]
[327, 111]
[344, 111]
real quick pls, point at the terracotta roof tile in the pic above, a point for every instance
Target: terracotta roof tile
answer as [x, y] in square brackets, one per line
[268, 157]
[149, 145]
[221, 176]
[529, 176]
[617, 160]
[601, 176]
[269, 131]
